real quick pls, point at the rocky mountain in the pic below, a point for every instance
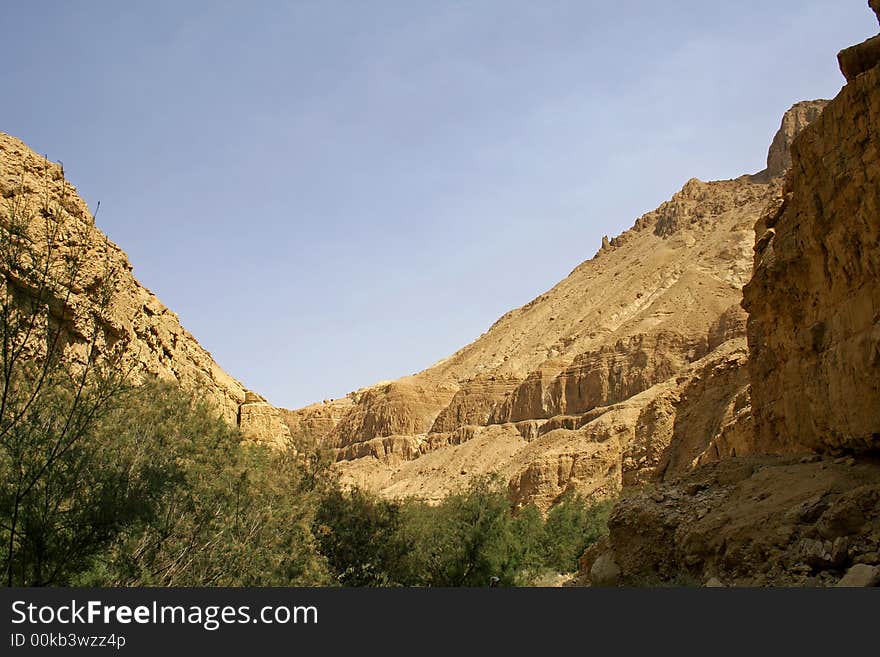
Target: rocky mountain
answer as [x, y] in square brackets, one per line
[151, 335]
[632, 369]
[814, 298]
[720, 359]
[814, 372]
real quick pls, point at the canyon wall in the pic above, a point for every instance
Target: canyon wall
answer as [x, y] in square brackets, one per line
[151, 336]
[814, 376]
[632, 369]
[814, 299]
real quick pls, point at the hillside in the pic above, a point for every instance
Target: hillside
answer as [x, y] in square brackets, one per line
[150, 334]
[597, 383]
[813, 370]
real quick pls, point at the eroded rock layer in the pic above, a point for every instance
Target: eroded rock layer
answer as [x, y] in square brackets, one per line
[631, 369]
[151, 335]
[814, 376]
[814, 299]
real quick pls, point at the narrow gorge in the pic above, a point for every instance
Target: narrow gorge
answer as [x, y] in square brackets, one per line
[715, 369]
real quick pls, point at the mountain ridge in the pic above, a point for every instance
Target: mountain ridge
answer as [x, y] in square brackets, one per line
[653, 300]
[154, 340]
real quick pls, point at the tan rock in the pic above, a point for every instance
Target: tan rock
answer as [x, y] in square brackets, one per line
[614, 329]
[310, 424]
[151, 336]
[814, 329]
[772, 519]
[860, 575]
[404, 407]
[261, 422]
[626, 372]
[604, 571]
[814, 381]
[860, 58]
[795, 119]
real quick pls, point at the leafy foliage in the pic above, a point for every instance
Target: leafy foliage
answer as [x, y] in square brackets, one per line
[573, 525]
[103, 482]
[218, 512]
[360, 537]
[468, 539]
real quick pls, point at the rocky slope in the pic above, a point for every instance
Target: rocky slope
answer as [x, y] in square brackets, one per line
[153, 340]
[814, 299]
[629, 370]
[814, 373]
[751, 521]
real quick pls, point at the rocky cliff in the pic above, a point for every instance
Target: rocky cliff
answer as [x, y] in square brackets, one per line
[150, 334]
[814, 299]
[814, 374]
[632, 369]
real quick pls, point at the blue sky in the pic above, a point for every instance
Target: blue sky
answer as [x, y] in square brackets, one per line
[335, 193]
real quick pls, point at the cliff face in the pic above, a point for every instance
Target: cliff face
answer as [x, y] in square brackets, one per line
[596, 384]
[814, 375]
[814, 299]
[154, 342]
[795, 120]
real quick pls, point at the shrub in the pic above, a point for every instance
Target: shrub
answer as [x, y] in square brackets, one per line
[358, 534]
[221, 512]
[572, 526]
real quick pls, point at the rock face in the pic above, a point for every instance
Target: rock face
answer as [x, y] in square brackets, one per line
[857, 59]
[153, 339]
[861, 575]
[814, 299]
[630, 370]
[795, 120]
[814, 375]
[752, 521]
[260, 421]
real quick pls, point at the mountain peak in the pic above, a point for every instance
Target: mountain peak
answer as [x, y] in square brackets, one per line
[798, 117]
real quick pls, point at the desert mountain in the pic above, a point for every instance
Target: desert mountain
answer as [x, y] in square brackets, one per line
[151, 335]
[814, 372]
[632, 368]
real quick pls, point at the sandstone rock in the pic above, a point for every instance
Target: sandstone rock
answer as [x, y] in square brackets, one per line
[593, 552]
[475, 403]
[404, 407]
[795, 119]
[855, 60]
[610, 339]
[861, 575]
[261, 422]
[152, 339]
[630, 370]
[309, 425]
[813, 328]
[604, 571]
[770, 519]
[388, 449]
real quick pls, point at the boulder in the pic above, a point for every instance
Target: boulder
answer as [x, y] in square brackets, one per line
[861, 575]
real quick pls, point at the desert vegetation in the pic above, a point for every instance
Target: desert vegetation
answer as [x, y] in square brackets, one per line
[472, 538]
[112, 477]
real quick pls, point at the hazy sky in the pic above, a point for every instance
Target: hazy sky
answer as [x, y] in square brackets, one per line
[334, 193]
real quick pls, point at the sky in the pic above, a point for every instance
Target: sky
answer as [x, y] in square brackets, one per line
[332, 193]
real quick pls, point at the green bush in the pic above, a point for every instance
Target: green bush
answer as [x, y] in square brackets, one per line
[468, 539]
[221, 512]
[572, 526]
[464, 541]
[359, 535]
[156, 489]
